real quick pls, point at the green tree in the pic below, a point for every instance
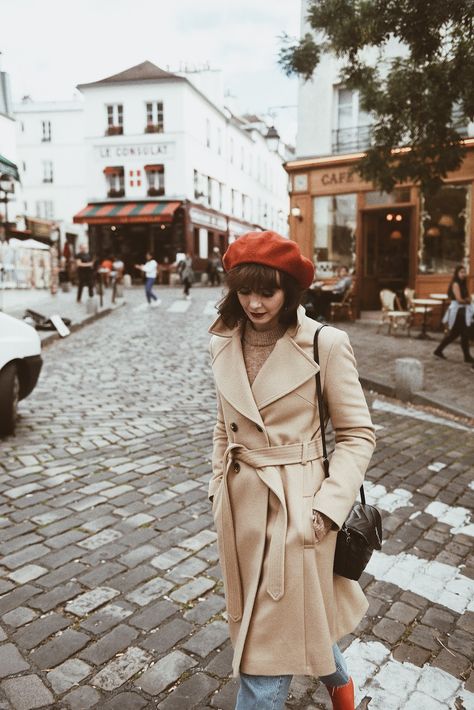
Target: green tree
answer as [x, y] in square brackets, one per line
[419, 96]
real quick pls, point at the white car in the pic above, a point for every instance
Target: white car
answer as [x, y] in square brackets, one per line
[20, 366]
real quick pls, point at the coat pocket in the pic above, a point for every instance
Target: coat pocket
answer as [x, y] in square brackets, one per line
[308, 532]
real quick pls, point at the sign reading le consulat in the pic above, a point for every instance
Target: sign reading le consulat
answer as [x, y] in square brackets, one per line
[146, 150]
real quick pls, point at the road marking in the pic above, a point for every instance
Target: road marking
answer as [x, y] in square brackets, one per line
[179, 307]
[394, 685]
[436, 581]
[459, 518]
[379, 405]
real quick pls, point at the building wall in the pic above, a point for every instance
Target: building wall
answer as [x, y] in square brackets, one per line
[62, 197]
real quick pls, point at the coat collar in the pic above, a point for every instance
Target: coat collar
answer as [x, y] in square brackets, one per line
[287, 367]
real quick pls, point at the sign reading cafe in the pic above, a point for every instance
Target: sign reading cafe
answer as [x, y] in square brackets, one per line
[145, 150]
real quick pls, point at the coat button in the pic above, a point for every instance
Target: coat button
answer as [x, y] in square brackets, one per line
[259, 428]
[236, 467]
[234, 426]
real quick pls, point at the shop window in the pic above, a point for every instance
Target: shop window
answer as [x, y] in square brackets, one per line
[46, 131]
[115, 178]
[154, 117]
[210, 243]
[48, 171]
[155, 175]
[196, 240]
[334, 222]
[444, 230]
[114, 120]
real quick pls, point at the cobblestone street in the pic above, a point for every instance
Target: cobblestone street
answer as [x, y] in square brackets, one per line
[109, 581]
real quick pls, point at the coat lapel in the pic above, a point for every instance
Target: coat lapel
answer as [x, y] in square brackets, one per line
[286, 369]
[232, 380]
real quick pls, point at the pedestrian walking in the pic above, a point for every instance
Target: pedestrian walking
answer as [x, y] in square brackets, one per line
[458, 316]
[150, 269]
[214, 266]
[275, 513]
[85, 272]
[187, 275]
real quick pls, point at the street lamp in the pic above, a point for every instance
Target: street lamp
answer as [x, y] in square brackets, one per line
[6, 186]
[272, 138]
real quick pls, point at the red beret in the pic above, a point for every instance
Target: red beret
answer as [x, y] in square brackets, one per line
[270, 249]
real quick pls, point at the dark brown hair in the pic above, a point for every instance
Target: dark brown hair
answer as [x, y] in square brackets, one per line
[258, 278]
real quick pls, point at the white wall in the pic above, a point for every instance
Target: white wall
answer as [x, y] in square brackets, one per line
[65, 151]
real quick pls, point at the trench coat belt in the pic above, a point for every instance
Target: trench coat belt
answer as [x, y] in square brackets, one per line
[265, 462]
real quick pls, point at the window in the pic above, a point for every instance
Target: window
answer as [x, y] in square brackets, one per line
[197, 194]
[114, 120]
[445, 229]
[154, 117]
[232, 201]
[115, 178]
[47, 171]
[45, 209]
[155, 175]
[352, 124]
[209, 191]
[221, 195]
[208, 133]
[334, 222]
[219, 141]
[46, 131]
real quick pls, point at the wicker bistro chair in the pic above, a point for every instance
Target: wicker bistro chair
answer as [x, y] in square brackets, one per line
[343, 309]
[392, 313]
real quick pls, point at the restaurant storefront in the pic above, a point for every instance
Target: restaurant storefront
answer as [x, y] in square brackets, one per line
[164, 228]
[387, 240]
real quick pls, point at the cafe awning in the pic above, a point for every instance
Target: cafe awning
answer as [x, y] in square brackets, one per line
[127, 212]
[8, 168]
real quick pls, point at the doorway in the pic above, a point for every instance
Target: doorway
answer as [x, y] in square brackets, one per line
[386, 253]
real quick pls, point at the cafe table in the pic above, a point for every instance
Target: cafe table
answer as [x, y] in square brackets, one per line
[426, 304]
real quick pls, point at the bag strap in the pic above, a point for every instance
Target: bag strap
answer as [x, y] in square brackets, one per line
[319, 393]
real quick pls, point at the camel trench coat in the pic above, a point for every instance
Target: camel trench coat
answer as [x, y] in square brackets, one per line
[285, 605]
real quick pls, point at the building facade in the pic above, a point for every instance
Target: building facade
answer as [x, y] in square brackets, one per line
[388, 240]
[8, 157]
[51, 161]
[170, 170]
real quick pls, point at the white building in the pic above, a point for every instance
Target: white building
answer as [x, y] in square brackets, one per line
[8, 153]
[168, 169]
[50, 140]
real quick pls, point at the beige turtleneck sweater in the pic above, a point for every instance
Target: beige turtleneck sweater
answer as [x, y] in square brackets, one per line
[257, 346]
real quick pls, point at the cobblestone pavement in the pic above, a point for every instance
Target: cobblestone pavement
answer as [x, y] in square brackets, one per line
[110, 586]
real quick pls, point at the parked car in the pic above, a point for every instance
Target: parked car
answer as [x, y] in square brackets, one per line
[20, 366]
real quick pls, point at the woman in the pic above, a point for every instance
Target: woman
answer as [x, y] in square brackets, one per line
[459, 315]
[275, 514]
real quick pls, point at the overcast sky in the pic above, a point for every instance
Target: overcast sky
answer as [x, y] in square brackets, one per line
[50, 46]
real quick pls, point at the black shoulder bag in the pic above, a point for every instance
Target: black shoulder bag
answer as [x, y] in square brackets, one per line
[361, 532]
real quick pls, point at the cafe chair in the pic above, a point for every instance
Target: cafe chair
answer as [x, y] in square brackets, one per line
[392, 314]
[343, 309]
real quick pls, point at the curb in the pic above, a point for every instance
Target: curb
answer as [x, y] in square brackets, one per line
[419, 398]
[51, 337]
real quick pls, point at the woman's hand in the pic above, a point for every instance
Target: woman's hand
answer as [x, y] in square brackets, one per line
[321, 525]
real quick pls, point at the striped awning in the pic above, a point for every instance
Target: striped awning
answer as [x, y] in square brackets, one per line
[127, 212]
[8, 168]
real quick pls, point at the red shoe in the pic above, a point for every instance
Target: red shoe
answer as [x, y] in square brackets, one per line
[342, 696]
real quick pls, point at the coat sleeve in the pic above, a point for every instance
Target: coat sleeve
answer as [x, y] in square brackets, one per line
[354, 433]
[219, 445]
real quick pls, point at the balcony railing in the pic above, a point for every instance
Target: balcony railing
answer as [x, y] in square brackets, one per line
[116, 193]
[357, 138]
[156, 191]
[154, 128]
[351, 140]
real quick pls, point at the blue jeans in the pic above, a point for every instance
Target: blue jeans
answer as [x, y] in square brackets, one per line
[266, 692]
[148, 289]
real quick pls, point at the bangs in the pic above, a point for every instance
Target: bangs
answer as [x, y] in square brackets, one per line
[256, 277]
